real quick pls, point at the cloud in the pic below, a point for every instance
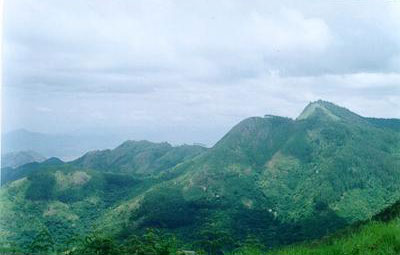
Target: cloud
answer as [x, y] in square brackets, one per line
[158, 38]
[204, 63]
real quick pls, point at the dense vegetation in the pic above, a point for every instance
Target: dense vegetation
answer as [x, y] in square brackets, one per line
[268, 182]
[141, 158]
[381, 235]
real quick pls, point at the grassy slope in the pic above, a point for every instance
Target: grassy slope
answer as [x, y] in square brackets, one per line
[371, 239]
[381, 235]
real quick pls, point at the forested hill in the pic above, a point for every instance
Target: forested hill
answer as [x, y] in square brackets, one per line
[275, 179]
[139, 157]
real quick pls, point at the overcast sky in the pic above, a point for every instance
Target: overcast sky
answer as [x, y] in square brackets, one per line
[190, 70]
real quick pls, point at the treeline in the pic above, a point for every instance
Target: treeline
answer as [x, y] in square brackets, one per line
[152, 242]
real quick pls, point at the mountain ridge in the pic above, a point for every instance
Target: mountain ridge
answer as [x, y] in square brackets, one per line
[281, 180]
[16, 159]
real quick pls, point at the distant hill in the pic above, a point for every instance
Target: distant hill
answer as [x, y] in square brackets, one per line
[139, 157]
[66, 147]
[73, 145]
[275, 179]
[9, 174]
[16, 159]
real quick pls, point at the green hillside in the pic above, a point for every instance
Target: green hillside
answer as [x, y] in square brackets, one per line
[270, 179]
[381, 235]
[282, 180]
[68, 198]
[139, 158]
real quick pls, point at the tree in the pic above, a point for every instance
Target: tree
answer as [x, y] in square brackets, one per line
[213, 240]
[42, 243]
[250, 246]
[153, 242]
[95, 244]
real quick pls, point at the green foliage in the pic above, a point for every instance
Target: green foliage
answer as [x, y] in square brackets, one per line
[94, 244]
[389, 213]
[117, 181]
[43, 243]
[167, 209]
[277, 179]
[385, 123]
[140, 158]
[41, 186]
[213, 240]
[10, 249]
[251, 245]
[153, 242]
[299, 146]
[372, 239]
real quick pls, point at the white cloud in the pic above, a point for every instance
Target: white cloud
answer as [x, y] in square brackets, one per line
[204, 63]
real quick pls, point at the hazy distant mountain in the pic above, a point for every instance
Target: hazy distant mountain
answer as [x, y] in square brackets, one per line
[16, 159]
[66, 147]
[75, 144]
[276, 179]
[9, 174]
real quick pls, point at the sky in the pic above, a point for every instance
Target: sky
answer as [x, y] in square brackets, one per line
[186, 71]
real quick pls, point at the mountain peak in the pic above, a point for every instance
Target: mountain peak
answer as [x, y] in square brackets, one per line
[330, 111]
[316, 107]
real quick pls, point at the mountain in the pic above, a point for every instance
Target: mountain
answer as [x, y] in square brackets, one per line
[16, 159]
[64, 146]
[70, 146]
[138, 157]
[280, 179]
[68, 197]
[276, 179]
[9, 174]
